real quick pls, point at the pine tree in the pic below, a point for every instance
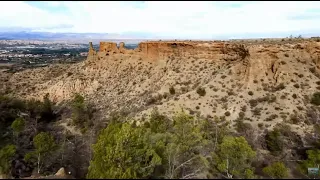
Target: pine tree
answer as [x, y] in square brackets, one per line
[123, 151]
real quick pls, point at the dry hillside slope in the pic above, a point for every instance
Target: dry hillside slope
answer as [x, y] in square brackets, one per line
[263, 82]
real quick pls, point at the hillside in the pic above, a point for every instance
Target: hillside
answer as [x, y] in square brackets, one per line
[263, 83]
[233, 76]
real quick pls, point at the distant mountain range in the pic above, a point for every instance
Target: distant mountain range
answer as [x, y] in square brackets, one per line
[127, 37]
[74, 37]
[24, 35]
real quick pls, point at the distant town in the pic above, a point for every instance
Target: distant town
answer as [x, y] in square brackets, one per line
[16, 55]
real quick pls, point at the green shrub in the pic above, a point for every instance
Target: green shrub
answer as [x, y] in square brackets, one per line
[283, 62]
[313, 160]
[276, 170]
[242, 127]
[159, 123]
[272, 117]
[244, 108]
[253, 102]
[46, 109]
[6, 155]
[294, 96]
[256, 111]
[81, 112]
[151, 100]
[201, 91]
[83, 130]
[241, 115]
[172, 90]
[316, 98]
[294, 119]
[279, 87]
[18, 125]
[274, 141]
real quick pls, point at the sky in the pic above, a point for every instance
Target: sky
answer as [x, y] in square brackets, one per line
[194, 19]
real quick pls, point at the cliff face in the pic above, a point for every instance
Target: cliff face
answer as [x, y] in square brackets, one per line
[108, 47]
[155, 50]
[250, 61]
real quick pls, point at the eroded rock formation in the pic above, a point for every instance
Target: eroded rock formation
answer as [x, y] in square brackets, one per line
[91, 52]
[250, 61]
[154, 50]
[108, 47]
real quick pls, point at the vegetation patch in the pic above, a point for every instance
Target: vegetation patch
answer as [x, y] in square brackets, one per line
[201, 91]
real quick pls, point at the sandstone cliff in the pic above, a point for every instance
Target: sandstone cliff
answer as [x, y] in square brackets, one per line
[154, 50]
[108, 47]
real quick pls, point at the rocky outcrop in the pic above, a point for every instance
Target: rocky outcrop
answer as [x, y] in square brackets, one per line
[108, 47]
[61, 174]
[122, 49]
[154, 50]
[91, 52]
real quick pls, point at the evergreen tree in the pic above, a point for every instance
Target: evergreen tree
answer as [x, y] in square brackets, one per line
[6, 153]
[18, 125]
[234, 158]
[123, 151]
[44, 144]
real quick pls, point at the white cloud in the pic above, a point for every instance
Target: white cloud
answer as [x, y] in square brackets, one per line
[20, 14]
[179, 19]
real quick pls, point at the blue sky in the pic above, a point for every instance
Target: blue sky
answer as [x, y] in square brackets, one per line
[198, 19]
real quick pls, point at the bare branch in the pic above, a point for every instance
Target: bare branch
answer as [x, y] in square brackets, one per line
[186, 162]
[191, 175]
